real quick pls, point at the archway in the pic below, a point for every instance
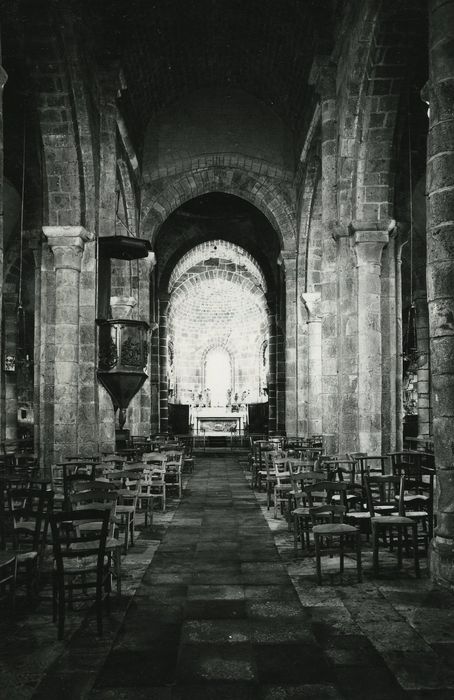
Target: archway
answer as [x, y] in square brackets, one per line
[224, 292]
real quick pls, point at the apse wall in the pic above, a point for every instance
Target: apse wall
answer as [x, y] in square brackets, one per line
[213, 306]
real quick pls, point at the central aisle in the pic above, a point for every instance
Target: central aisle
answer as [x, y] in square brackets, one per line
[216, 615]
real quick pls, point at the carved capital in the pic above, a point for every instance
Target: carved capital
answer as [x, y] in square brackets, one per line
[67, 244]
[370, 237]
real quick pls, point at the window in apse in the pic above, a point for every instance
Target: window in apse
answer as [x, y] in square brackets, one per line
[218, 375]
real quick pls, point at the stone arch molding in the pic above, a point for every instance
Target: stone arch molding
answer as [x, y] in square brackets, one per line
[213, 249]
[275, 202]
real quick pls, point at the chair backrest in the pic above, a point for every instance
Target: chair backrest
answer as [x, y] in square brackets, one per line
[175, 458]
[330, 511]
[347, 470]
[382, 489]
[322, 492]
[29, 510]
[67, 541]
[281, 470]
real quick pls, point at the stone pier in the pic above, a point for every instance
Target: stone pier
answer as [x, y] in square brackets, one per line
[369, 241]
[440, 277]
[67, 245]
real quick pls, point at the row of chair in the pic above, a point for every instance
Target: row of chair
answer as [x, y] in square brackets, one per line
[344, 496]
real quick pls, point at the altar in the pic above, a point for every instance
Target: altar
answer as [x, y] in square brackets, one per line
[218, 420]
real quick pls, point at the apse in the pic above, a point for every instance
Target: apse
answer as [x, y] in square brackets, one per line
[218, 328]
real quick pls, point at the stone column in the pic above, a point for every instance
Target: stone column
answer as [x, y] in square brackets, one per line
[67, 245]
[440, 274]
[369, 241]
[314, 339]
[288, 258]
[323, 77]
[423, 373]
[10, 337]
[402, 230]
[389, 347]
[271, 377]
[35, 247]
[3, 79]
[163, 386]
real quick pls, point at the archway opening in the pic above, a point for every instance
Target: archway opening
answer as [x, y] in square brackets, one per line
[219, 285]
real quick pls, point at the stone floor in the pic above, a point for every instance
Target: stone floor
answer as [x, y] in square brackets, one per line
[225, 611]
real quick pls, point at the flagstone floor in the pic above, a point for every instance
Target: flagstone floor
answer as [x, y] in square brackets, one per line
[215, 605]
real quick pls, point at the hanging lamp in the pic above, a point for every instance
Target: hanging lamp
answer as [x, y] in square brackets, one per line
[123, 342]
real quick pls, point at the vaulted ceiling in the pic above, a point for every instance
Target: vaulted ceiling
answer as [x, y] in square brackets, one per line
[169, 48]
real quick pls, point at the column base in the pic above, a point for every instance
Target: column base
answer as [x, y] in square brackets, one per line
[441, 562]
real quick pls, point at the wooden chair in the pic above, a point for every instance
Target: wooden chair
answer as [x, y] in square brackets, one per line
[101, 496]
[174, 468]
[300, 515]
[8, 569]
[28, 518]
[332, 531]
[126, 508]
[154, 475]
[82, 563]
[416, 501]
[384, 488]
[147, 495]
[282, 485]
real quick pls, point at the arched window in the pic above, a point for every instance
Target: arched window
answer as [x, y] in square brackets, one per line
[218, 375]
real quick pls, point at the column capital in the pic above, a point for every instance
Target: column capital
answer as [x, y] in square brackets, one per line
[164, 298]
[3, 77]
[337, 230]
[150, 261]
[67, 244]
[312, 302]
[370, 237]
[286, 257]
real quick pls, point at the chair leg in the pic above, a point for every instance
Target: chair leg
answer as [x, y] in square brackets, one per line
[61, 608]
[358, 557]
[318, 559]
[399, 547]
[341, 554]
[131, 527]
[375, 535]
[117, 565]
[415, 548]
[295, 533]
